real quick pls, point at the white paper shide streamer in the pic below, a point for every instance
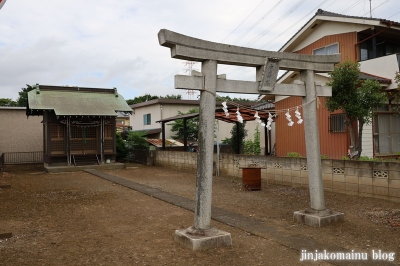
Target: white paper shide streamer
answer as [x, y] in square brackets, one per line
[298, 116]
[289, 118]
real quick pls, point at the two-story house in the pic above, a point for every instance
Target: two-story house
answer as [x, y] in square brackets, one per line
[375, 43]
[146, 114]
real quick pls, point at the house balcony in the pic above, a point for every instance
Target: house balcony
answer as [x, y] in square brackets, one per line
[385, 66]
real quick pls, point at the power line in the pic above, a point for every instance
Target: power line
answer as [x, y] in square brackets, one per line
[255, 24]
[350, 7]
[394, 14]
[278, 21]
[244, 20]
[291, 26]
[376, 8]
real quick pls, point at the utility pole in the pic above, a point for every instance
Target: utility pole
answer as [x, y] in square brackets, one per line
[370, 9]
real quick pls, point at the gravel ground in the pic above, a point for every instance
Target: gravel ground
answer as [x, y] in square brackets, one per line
[80, 219]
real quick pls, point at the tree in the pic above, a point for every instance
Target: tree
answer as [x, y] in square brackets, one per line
[7, 102]
[141, 99]
[356, 98]
[148, 97]
[23, 95]
[238, 134]
[248, 147]
[172, 96]
[227, 98]
[136, 140]
[253, 147]
[122, 149]
[192, 126]
[394, 95]
[256, 142]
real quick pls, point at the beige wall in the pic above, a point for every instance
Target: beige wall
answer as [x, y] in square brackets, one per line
[158, 112]
[19, 134]
[328, 28]
[385, 66]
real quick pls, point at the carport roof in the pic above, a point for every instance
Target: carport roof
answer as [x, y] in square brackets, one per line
[247, 114]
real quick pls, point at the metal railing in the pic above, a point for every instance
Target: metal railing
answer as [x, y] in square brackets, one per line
[21, 157]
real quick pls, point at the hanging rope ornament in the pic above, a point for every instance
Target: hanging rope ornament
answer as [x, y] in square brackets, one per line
[289, 118]
[269, 121]
[239, 116]
[298, 116]
[271, 116]
[257, 117]
[225, 108]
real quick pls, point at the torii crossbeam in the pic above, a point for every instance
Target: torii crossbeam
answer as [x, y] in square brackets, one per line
[267, 64]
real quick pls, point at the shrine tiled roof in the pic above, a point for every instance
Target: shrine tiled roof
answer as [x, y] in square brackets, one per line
[75, 101]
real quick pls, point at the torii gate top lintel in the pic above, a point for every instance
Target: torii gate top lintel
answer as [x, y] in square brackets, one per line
[193, 49]
[267, 65]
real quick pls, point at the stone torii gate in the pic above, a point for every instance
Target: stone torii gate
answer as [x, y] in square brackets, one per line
[267, 64]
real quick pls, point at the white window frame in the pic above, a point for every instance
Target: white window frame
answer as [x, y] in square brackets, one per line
[147, 119]
[391, 136]
[327, 46]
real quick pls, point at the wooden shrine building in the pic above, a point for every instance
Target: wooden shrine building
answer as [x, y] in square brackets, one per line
[79, 124]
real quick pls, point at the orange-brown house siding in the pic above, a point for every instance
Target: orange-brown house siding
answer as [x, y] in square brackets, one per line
[292, 139]
[347, 42]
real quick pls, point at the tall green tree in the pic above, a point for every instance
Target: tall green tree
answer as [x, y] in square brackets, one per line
[192, 126]
[238, 134]
[253, 146]
[23, 95]
[257, 142]
[356, 98]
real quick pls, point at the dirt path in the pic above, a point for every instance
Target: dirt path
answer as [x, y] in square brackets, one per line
[80, 219]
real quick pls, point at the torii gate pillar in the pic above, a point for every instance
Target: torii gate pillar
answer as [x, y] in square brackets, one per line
[317, 214]
[202, 235]
[312, 143]
[267, 64]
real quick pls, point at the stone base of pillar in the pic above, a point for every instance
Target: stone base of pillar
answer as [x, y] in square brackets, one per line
[318, 218]
[203, 239]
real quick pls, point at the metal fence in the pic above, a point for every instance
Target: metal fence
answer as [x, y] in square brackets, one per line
[21, 157]
[138, 156]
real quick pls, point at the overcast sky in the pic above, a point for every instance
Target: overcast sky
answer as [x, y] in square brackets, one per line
[106, 44]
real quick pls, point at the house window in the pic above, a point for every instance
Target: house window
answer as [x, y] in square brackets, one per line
[366, 50]
[330, 49]
[147, 119]
[387, 133]
[337, 123]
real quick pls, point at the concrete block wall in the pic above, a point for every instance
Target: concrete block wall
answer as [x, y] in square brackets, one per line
[19, 134]
[361, 178]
